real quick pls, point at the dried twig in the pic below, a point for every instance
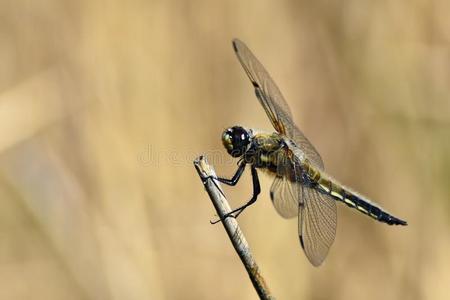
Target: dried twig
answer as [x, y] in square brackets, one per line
[206, 173]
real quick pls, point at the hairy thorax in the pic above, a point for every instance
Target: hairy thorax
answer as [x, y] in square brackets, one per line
[265, 151]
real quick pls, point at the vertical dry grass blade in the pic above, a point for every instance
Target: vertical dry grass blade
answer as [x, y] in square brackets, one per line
[206, 173]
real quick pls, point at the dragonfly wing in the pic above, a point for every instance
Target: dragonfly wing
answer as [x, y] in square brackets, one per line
[273, 102]
[285, 196]
[305, 145]
[316, 224]
[286, 190]
[265, 88]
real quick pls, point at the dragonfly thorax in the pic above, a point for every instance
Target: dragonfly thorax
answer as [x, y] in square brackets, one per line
[236, 140]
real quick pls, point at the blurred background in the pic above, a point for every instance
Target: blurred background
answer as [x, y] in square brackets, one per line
[104, 105]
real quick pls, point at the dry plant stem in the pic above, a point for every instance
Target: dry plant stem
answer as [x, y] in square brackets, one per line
[207, 173]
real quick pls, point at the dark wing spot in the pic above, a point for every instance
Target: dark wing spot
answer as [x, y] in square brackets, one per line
[235, 46]
[301, 242]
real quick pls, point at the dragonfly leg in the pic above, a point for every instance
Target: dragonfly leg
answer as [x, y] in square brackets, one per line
[234, 180]
[256, 191]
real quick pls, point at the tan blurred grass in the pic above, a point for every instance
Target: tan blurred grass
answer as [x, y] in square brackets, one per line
[104, 105]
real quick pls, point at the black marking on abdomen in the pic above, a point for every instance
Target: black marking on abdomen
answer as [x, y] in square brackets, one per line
[371, 210]
[313, 177]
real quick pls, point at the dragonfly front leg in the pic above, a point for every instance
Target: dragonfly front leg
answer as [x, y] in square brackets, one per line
[256, 191]
[235, 177]
[234, 180]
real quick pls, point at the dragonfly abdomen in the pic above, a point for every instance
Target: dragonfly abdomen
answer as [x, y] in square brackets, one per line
[355, 201]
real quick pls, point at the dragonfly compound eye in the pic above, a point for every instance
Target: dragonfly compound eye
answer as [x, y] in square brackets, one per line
[236, 140]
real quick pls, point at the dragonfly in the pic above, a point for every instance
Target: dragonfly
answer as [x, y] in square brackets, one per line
[300, 188]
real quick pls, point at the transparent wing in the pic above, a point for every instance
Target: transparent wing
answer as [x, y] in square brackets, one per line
[302, 142]
[273, 102]
[316, 224]
[285, 196]
[286, 190]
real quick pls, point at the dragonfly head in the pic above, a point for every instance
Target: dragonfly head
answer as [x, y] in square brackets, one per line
[236, 140]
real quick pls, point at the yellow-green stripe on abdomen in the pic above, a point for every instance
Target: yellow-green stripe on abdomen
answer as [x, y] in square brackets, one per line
[352, 200]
